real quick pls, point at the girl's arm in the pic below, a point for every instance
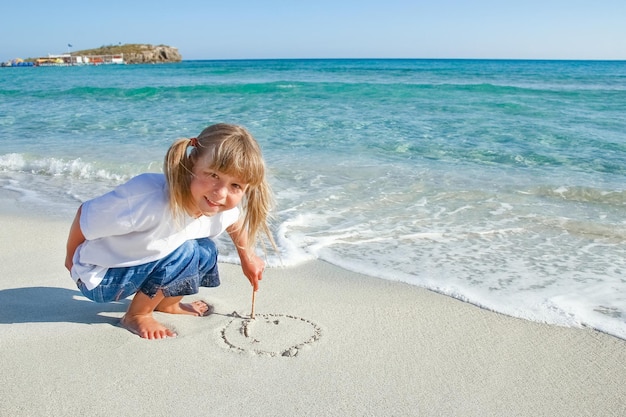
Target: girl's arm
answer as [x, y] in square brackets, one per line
[75, 238]
[251, 264]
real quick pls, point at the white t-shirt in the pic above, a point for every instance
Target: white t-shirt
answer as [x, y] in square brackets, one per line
[133, 225]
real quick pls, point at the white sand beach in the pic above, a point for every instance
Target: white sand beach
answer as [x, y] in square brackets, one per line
[325, 342]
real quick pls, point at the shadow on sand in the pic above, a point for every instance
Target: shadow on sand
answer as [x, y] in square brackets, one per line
[55, 305]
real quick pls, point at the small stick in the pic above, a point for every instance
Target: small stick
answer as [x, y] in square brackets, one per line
[253, 300]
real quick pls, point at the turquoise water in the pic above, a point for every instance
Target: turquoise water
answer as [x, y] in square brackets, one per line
[501, 183]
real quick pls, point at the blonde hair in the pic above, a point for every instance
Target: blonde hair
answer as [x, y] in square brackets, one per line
[233, 151]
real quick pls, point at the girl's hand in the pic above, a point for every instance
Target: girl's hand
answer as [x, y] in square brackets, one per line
[253, 267]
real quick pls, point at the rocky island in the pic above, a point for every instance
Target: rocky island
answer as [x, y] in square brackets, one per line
[113, 54]
[135, 53]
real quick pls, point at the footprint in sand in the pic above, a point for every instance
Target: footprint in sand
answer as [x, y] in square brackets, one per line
[270, 334]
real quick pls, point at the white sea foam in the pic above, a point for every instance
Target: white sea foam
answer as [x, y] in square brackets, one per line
[20, 163]
[492, 249]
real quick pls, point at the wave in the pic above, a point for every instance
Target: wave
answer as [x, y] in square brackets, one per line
[54, 167]
[310, 87]
[581, 194]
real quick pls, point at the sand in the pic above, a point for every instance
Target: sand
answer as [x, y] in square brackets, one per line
[325, 342]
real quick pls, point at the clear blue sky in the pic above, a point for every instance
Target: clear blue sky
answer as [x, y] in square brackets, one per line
[225, 29]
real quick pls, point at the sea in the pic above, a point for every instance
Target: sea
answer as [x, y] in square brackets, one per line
[501, 183]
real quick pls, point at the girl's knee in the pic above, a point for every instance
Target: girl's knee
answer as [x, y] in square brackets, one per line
[207, 244]
[207, 251]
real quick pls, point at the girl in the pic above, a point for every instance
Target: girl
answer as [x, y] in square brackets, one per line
[152, 235]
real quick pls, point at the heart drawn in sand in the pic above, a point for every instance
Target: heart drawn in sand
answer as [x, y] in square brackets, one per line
[270, 334]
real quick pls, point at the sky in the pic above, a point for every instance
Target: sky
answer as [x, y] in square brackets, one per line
[261, 29]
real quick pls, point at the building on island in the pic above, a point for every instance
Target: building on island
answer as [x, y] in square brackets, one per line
[68, 60]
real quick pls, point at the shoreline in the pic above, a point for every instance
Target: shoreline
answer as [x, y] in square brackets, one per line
[330, 342]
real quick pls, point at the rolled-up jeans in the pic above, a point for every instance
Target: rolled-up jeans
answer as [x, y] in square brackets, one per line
[182, 272]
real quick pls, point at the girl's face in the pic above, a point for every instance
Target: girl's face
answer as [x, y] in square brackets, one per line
[213, 191]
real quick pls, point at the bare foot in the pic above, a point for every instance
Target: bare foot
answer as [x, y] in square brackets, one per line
[195, 308]
[145, 326]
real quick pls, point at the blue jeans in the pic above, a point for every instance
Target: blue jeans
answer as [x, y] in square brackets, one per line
[191, 265]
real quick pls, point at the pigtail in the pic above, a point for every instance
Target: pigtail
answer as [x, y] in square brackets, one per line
[257, 214]
[177, 169]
